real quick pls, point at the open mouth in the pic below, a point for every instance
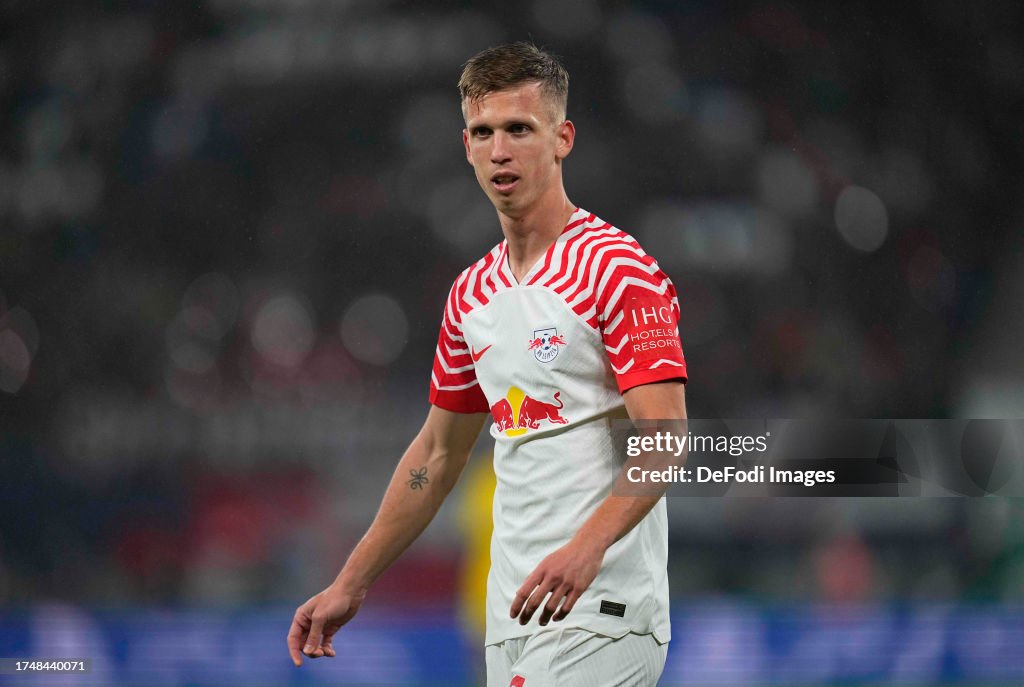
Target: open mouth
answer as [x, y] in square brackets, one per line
[504, 183]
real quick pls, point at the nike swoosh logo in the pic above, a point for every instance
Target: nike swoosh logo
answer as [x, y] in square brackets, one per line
[476, 355]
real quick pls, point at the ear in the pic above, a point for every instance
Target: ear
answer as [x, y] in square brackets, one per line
[566, 134]
[465, 143]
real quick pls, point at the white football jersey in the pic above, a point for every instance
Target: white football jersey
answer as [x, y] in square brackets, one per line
[549, 357]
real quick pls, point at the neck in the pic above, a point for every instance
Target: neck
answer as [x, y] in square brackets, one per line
[530, 235]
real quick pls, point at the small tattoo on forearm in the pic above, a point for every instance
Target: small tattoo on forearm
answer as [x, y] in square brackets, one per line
[419, 478]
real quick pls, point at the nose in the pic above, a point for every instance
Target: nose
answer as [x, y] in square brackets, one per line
[500, 153]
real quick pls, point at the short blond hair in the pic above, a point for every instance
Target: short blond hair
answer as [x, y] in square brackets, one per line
[513, 64]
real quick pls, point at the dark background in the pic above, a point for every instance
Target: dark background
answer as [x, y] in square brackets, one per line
[227, 230]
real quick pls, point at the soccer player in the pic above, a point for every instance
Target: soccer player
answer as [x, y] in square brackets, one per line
[563, 327]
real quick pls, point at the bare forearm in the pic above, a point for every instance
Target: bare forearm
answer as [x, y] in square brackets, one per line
[422, 480]
[658, 407]
[614, 518]
[424, 476]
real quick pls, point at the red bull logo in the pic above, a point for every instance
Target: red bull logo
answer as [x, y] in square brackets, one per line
[555, 340]
[545, 344]
[518, 413]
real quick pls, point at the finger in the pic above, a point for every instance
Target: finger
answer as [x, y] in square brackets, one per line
[570, 601]
[524, 593]
[520, 600]
[527, 612]
[537, 598]
[552, 604]
[316, 631]
[297, 635]
[328, 646]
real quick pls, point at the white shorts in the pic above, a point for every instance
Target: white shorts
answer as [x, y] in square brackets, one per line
[571, 657]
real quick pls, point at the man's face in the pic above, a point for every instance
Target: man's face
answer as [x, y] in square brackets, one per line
[516, 143]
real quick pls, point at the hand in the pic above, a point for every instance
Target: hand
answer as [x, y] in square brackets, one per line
[565, 574]
[317, 620]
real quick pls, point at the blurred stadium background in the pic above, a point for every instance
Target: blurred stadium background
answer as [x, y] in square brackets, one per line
[227, 229]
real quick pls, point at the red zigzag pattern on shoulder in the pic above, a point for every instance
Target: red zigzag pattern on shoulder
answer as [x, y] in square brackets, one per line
[453, 365]
[594, 269]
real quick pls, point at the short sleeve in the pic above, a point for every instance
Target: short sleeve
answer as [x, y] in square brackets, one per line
[453, 382]
[638, 313]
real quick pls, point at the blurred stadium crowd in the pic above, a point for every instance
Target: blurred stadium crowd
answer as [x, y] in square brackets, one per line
[227, 230]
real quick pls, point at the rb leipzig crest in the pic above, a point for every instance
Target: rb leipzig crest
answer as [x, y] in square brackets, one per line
[545, 344]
